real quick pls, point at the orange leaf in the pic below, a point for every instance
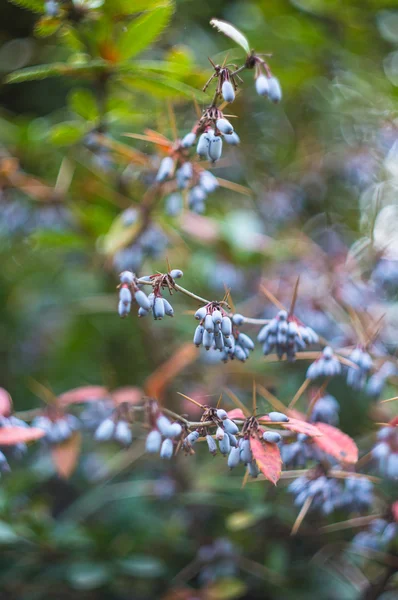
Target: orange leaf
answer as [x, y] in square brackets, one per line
[236, 413]
[132, 395]
[5, 403]
[85, 393]
[65, 455]
[268, 458]
[158, 381]
[336, 443]
[9, 436]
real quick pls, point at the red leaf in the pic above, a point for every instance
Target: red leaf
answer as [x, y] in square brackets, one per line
[394, 510]
[236, 413]
[9, 436]
[5, 403]
[86, 393]
[268, 458]
[65, 455]
[132, 395]
[336, 443]
[302, 427]
[296, 425]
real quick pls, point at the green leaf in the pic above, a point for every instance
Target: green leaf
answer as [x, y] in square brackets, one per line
[47, 26]
[7, 534]
[164, 86]
[67, 133]
[142, 566]
[144, 30]
[83, 103]
[88, 576]
[233, 33]
[70, 38]
[55, 70]
[36, 6]
[130, 7]
[57, 240]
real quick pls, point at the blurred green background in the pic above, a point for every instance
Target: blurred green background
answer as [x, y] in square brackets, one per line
[316, 168]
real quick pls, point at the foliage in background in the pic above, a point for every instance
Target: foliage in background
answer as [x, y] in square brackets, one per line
[311, 190]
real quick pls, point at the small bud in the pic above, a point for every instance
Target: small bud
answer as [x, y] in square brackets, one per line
[220, 433]
[165, 169]
[163, 424]
[245, 452]
[238, 319]
[215, 148]
[188, 140]
[233, 457]
[158, 308]
[198, 335]
[228, 92]
[201, 313]
[233, 139]
[123, 433]
[262, 85]
[104, 431]
[142, 300]
[174, 204]
[166, 450]
[272, 437]
[216, 316]
[153, 441]
[192, 437]
[208, 182]
[222, 414]
[224, 126]
[230, 426]
[278, 417]
[176, 273]
[209, 323]
[274, 90]
[175, 430]
[224, 445]
[202, 149]
[126, 277]
[211, 444]
[208, 339]
[168, 309]
[123, 309]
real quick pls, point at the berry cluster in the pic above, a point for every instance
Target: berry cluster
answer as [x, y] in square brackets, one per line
[378, 536]
[219, 331]
[328, 494]
[287, 335]
[385, 452]
[327, 365]
[356, 378]
[160, 438]
[58, 428]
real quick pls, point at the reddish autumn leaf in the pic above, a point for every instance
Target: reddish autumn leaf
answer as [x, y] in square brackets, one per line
[5, 403]
[336, 443]
[132, 395]
[65, 455]
[297, 425]
[9, 436]
[394, 510]
[236, 413]
[394, 422]
[268, 458]
[300, 426]
[85, 393]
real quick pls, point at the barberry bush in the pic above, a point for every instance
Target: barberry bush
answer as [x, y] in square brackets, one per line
[198, 242]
